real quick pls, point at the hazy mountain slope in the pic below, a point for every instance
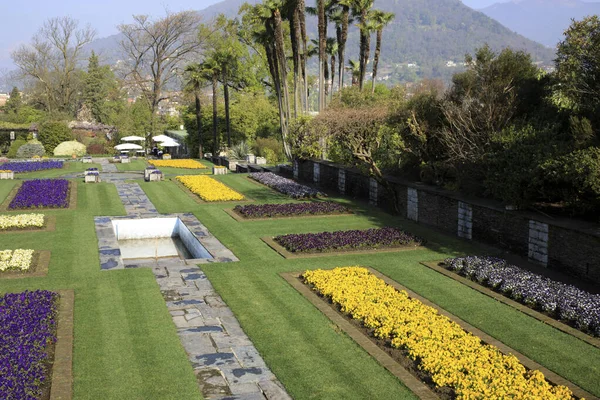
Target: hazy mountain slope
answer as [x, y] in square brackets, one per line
[428, 32]
[541, 20]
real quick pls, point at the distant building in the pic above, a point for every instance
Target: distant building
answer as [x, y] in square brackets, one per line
[4, 98]
[450, 64]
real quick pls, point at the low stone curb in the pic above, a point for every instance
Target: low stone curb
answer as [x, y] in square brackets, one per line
[289, 255]
[41, 261]
[434, 265]
[62, 367]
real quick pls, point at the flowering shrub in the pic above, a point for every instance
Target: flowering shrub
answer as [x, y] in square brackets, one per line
[560, 300]
[31, 166]
[52, 193]
[21, 221]
[15, 260]
[347, 240]
[451, 356]
[290, 209]
[209, 189]
[184, 163]
[284, 185]
[27, 328]
[67, 149]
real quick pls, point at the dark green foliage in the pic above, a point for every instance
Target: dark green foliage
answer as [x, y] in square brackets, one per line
[30, 149]
[578, 65]
[52, 133]
[270, 148]
[14, 147]
[14, 103]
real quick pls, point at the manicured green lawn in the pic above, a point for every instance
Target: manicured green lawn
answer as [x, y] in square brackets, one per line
[308, 354]
[126, 345]
[140, 164]
[70, 167]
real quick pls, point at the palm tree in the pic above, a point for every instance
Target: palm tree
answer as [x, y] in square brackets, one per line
[354, 68]
[380, 19]
[212, 70]
[331, 50]
[342, 18]
[360, 9]
[322, 24]
[195, 80]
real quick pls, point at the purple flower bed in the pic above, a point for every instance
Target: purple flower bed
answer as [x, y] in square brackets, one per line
[290, 209]
[347, 240]
[31, 166]
[27, 328]
[559, 300]
[284, 185]
[42, 193]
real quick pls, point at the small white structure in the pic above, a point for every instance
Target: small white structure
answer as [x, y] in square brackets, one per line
[219, 170]
[7, 175]
[87, 160]
[261, 160]
[92, 178]
[125, 160]
[250, 158]
[155, 176]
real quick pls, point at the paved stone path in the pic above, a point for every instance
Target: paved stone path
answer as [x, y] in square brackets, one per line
[226, 363]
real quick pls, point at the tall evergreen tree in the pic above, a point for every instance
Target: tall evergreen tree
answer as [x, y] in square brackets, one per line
[14, 103]
[95, 91]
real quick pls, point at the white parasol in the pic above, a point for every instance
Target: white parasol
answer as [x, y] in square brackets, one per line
[161, 138]
[128, 146]
[133, 139]
[169, 143]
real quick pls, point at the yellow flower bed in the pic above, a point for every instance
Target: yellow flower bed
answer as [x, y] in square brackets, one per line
[17, 260]
[452, 356]
[209, 189]
[20, 221]
[183, 163]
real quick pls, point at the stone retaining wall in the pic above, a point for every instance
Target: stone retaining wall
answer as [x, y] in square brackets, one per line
[567, 245]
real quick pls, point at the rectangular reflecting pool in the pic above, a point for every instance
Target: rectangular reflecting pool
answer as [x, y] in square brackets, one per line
[157, 238]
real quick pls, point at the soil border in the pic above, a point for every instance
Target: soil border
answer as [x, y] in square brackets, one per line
[62, 366]
[239, 218]
[287, 195]
[39, 267]
[49, 226]
[294, 279]
[282, 251]
[199, 200]
[72, 199]
[435, 265]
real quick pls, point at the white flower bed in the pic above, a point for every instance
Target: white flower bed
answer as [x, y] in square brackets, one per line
[21, 221]
[15, 260]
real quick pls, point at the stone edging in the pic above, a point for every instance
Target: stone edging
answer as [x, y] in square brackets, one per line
[15, 189]
[434, 265]
[527, 362]
[199, 200]
[289, 255]
[49, 226]
[240, 218]
[62, 368]
[409, 380]
[41, 259]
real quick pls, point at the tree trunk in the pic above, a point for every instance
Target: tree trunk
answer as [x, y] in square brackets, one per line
[376, 58]
[326, 80]
[332, 75]
[280, 54]
[342, 42]
[227, 119]
[214, 101]
[199, 123]
[322, 43]
[301, 8]
[363, 48]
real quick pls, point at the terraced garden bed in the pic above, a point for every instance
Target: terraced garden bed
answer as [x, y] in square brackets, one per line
[424, 340]
[288, 210]
[285, 185]
[40, 194]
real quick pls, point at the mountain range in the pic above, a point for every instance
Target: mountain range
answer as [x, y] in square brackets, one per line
[541, 20]
[428, 33]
